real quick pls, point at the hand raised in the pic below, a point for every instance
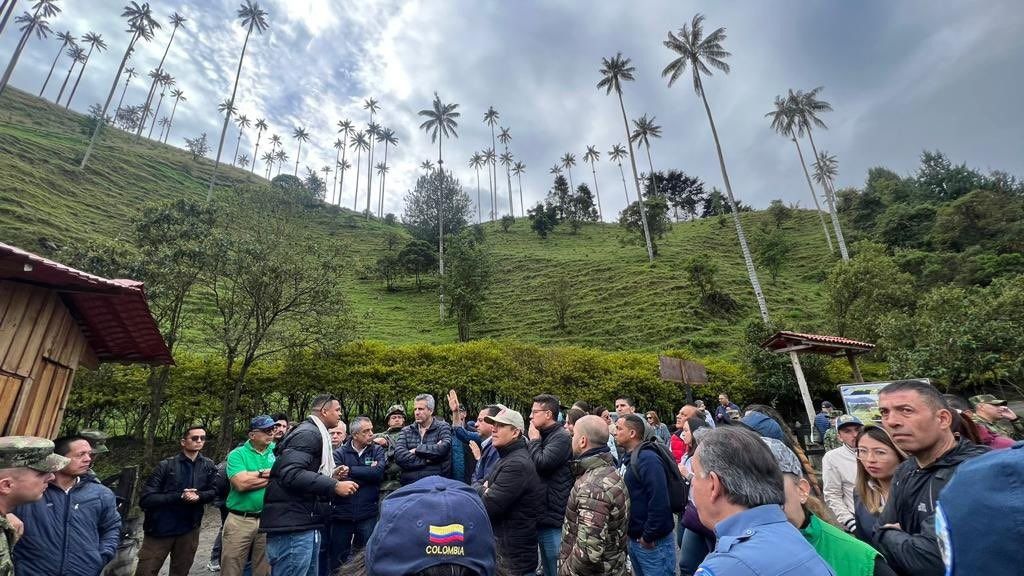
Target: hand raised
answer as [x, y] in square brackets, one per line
[475, 449]
[346, 488]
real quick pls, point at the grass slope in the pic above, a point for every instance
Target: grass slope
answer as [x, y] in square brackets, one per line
[621, 301]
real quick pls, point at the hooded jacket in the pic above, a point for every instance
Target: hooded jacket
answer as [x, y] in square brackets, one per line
[552, 456]
[596, 516]
[913, 549]
[513, 498]
[72, 533]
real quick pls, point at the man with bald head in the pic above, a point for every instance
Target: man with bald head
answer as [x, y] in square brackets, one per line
[597, 513]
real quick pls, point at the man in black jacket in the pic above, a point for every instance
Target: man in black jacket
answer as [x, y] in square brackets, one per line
[918, 418]
[353, 518]
[424, 447]
[173, 498]
[551, 450]
[513, 495]
[302, 481]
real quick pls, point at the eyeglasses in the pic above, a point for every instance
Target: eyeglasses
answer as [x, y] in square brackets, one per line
[197, 438]
[863, 453]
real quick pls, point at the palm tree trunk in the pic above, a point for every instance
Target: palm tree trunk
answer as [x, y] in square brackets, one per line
[478, 210]
[383, 179]
[440, 224]
[748, 260]
[508, 177]
[522, 205]
[160, 68]
[829, 197]
[572, 187]
[7, 9]
[817, 206]
[654, 179]
[17, 52]
[121, 100]
[624, 187]
[597, 193]
[369, 167]
[636, 182]
[494, 174]
[110, 96]
[344, 153]
[297, 156]
[79, 79]
[156, 113]
[227, 113]
[252, 169]
[334, 186]
[355, 197]
[65, 83]
[52, 66]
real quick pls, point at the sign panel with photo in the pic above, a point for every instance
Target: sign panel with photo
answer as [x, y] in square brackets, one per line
[861, 399]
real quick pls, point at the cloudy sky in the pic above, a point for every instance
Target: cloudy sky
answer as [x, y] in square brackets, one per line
[902, 76]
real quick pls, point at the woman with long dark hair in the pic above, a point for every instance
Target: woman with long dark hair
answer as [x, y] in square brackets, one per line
[877, 459]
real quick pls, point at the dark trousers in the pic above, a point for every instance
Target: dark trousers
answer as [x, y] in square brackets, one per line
[346, 536]
[154, 551]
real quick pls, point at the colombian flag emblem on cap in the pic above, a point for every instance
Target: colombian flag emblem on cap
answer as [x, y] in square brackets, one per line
[447, 535]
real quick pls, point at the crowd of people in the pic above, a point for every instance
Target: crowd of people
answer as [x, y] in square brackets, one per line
[934, 487]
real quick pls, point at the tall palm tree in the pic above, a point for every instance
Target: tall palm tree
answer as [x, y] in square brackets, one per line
[697, 52]
[77, 54]
[141, 25]
[427, 166]
[382, 170]
[371, 136]
[343, 166]
[243, 122]
[243, 160]
[568, 161]
[504, 137]
[66, 39]
[281, 157]
[555, 170]
[475, 162]
[164, 123]
[327, 172]
[616, 154]
[491, 118]
[261, 125]
[34, 22]
[644, 130]
[826, 168]
[300, 134]
[387, 135]
[6, 9]
[275, 142]
[784, 122]
[129, 73]
[490, 158]
[345, 128]
[165, 81]
[95, 41]
[360, 143]
[807, 106]
[441, 122]
[519, 169]
[592, 156]
[615, 71]
[268, 162]
[339, 143]
[177, 20]
[252, 18]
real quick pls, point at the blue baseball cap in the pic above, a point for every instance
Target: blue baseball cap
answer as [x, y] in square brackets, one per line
[262, 422]
[433, 521]
[847, 420]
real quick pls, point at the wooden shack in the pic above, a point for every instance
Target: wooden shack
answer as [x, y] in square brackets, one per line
[54, 319]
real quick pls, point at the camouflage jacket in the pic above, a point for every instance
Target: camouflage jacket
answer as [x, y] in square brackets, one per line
[596, 518]
[831, 441]
[392, 472]
[1013, 429]
[6, 544]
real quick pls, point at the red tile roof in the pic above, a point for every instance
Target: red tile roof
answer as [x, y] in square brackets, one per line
[816, 343]
[113, 314]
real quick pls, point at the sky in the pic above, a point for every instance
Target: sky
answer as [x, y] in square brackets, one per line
[901, 76]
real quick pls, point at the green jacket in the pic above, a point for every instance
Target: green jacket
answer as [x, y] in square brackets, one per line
[596, 518]
[844, 553]
[6, 543]
[392, 472]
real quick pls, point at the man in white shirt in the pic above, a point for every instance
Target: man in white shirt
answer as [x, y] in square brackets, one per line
[839, 471]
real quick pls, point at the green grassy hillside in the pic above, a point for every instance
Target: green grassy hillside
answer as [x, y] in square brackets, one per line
[621, 301]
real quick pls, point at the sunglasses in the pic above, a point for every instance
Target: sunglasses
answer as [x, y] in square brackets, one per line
[197, 438]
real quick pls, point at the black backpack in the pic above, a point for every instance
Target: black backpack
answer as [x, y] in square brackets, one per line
[678, 488]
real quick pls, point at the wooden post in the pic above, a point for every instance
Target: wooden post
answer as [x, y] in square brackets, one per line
[805, 393]
[852, 358]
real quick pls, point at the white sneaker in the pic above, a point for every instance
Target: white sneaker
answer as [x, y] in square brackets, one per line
[213, 566]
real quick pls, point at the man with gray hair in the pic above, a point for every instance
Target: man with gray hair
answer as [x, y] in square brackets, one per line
[424, 447]
[739, 492]
[353, 519]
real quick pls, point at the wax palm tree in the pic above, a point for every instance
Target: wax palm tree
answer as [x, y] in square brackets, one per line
[77, 54]
[441, 122]
[243, 161]
[300, 135]
[243, 122]
[697, 52]
[382, 170]
[371, 136]
[165, 81]
[141, 25]
[275, 142]
[568, 161]
[519, 169]
[360, 142]
[645, 129]
[806, 107]
[268, 161]
[616, 154]
[6, 9]
[261, 125]
[475, 162]
[179, 96]
[66, 39]
[504, 137]
[343, 166]
[129, 73]
[345, 128]
[826, 169]
[427, 166]
[615, 71]
[592, 156]
[491, 118]
[164, 123]
[490, 158]
[784, 122]
[177, 20]
[555, 170]
[34, 22]
[339, 143]
[387, 135]
[252, 17]
[327, 172]
[282, 158]
[95, 41]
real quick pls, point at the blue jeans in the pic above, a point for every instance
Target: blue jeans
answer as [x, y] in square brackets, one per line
[293, 553]
[550, 541]
[346, 536]
[657, 561]
[692, 551]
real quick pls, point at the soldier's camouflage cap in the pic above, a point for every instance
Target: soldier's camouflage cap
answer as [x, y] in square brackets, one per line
[97, 440]
[30, 452]
[396, 409]
[986, 399]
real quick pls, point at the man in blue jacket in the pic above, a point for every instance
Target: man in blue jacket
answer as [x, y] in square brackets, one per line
[75, 529]
[353, 518]
[651, 547]
[424, 448]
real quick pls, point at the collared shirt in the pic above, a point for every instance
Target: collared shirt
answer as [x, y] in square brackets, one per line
[245, 458]
[761, 542]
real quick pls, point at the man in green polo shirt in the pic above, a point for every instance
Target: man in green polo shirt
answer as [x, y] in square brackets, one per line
[248, 473]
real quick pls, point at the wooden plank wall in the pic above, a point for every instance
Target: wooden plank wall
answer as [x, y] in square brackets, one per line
[40, 348]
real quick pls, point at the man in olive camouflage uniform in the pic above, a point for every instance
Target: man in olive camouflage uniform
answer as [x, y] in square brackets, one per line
[597, 513]
[27, 465]
[387, 440]
[996, 416]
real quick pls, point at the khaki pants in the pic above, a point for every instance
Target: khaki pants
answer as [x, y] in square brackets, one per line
[155, 550]
[241, 537]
